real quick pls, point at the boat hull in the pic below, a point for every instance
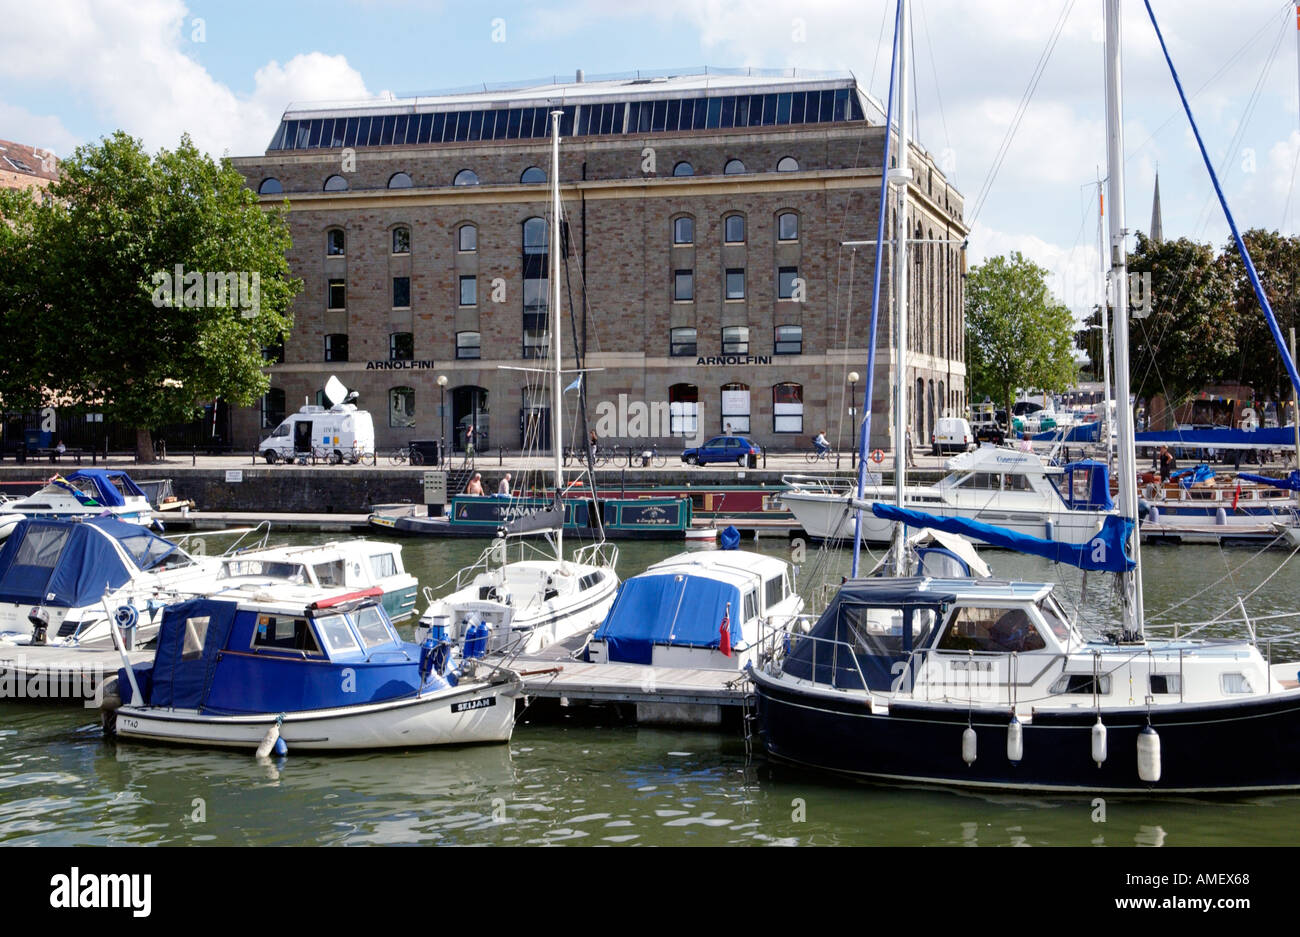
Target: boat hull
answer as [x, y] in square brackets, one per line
[463, 715]
[1250, 745]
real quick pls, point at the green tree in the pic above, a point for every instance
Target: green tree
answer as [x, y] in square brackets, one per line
[1277, 261]
[1020, 335]
[1189, 338]
[132, 265]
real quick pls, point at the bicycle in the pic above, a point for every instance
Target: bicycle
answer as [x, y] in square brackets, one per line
[359, 456]
[405, 454]
[606, 455]
[647, 457]
[819, 455]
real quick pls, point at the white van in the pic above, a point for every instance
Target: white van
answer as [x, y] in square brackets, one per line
[951, 434]
[340, 431]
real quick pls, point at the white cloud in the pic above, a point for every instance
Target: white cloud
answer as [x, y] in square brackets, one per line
[1074, 275]
[44, 132]
[136, 62]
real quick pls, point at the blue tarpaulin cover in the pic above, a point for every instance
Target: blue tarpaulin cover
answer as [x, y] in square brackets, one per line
[1192, 476]
[182, 672]
[1106, 551]
[1291, 482]
[1079, 432]
[61, 562]
[668, 608]
[729, 538]
[1271, 438]
[103, 482]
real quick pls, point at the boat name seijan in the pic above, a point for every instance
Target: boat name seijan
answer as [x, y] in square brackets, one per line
[474, 704]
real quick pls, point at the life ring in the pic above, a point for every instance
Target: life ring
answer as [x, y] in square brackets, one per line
[877, 456]
[126, 617]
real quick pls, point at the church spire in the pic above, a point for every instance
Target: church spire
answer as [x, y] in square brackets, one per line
[1156, 233]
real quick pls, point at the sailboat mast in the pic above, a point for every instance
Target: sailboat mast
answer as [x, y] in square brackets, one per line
[1130, 582]
[1104, 316]
[901, 176]
[554, 321]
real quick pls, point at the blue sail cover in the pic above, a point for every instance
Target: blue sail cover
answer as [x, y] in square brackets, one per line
[1275, 438]
[669, 608]
[102, 481]
[1291, 482]
[63, 563]
[1107, 551]
[1079, 432]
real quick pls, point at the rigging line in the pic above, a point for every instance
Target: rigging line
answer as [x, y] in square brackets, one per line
[880, 40]
[935, 70]
[1286, 7]
[1035, 77]
[1259, 553]
[848, 308]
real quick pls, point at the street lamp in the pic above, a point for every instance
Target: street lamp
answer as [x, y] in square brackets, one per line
[853, 399]
[442, 416]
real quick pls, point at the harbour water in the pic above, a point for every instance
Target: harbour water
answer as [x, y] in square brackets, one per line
[581, 782]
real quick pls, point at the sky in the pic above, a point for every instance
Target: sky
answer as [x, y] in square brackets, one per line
[223, 71]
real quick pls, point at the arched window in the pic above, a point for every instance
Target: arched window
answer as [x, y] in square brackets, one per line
[535, 236]
[787, 226]
[270, 186]
[400, 180]
[466, 238]
[401, 407]
[787, 408]
[335, 242]
[787, 164]
[734, 166]
[401, 346]
[684, 230]
[733, 229]
[683, 410]
[401, 240]
[272, 408]
[735, 408]
[336, 183]
[468, 345]
[683, 169]
[532, 174]
[918, 412]
[466, 177]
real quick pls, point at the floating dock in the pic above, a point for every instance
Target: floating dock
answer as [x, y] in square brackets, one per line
[61, 675]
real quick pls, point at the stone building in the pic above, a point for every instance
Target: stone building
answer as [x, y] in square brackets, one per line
[704, 272]
[26, 167]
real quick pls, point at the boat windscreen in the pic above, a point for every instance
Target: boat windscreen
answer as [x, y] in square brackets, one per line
[372, 627]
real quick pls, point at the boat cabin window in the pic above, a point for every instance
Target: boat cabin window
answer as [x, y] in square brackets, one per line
[990, 629]
[383, 564]
[1235, 683]
[1166, 683]
[289, 572]
[41, 546]
[373, 629]
[1055, 617]
[338, 636]
[330, 574]
[1083, 683]
[773, 592]
[879, 631]
[284, 632]
[196, 631]
[751, 606]
[587, 581]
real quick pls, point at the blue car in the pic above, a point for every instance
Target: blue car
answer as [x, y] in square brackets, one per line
[736, 449]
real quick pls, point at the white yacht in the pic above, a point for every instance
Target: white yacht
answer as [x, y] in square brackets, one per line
[1016, 490]
[86, 493]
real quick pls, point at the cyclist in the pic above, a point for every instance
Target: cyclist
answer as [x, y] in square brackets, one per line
[820, 441]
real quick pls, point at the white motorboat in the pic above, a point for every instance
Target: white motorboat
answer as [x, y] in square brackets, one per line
[1009, 488]
[88, 493]
[711, 610]
[297, 667]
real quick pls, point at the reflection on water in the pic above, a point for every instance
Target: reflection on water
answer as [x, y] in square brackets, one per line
[61, 783]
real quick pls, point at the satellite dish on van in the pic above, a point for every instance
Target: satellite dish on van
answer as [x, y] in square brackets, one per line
[335, 392]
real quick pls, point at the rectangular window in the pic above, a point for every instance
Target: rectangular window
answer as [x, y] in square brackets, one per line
[468, 239]
[534, 334]
[337, 298]
[401, 346]
[785, 282]
[735, 340]
[735, 408]
[682, 343]
[789, 340]
[736, 283]
[536, 295]
[401, 409]
[469, 291]
[383, 565]
[401, 292]
[439, 127]
[336, 347]
[683, 285]
[787, 408]
[467, 345]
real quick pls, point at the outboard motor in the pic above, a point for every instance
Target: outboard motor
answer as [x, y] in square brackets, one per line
[40, 619]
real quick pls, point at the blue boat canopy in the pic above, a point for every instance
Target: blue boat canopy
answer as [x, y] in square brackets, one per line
[1192, 476]
[109, 486]
[1085, 485]
[1223, 438]
[67, 563]
[878, 643]
[671, 608]
[192, 634]
[1106, 551]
